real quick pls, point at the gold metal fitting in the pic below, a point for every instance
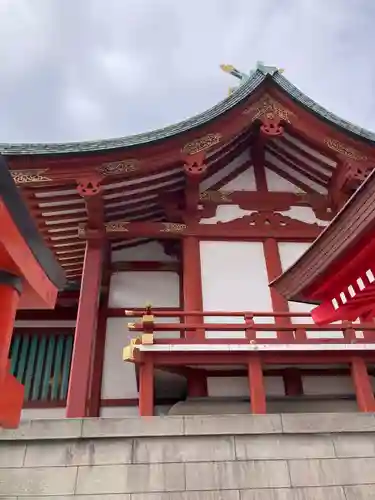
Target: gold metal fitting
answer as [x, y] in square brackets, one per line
[131, 326]
[128, 312]
[147, 339]
[148, 318]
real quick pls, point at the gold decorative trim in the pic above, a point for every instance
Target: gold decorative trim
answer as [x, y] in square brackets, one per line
[340, 148]
[201, 144]
[117, 167]
[172, 227]
[147, 339]
[114, 227]
[269, 108]
[215, 196]
[29, 176]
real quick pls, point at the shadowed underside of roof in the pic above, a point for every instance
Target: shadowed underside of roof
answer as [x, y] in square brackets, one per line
[239, 95]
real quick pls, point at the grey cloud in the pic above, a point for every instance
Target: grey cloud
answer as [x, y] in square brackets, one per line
[93, 69]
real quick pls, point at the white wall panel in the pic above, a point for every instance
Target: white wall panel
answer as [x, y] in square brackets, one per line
[227, 213]
[225, 171]
[304, 214]
[289, 254]
[328, 385]
[152, 250]
[277, 183]
[239, 386]
[42, 413]
[243, 182]
[234, 278]
[119, 380]
[137, 288]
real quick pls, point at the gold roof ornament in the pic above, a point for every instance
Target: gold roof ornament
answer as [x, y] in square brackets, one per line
[243, 77]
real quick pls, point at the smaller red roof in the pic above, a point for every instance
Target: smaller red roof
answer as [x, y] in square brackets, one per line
[338, 269]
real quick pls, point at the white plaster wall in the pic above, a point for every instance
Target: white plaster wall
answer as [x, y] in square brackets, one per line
[239, 386]
[152, 250]
[327, 385]
[304, 214]
[118, 380]
[137, 288]
[289, 254]
[226, 213]
[277, 183]
[119, 377]
[234, 278]
[42, 413]
[225, 171]
[243, 182]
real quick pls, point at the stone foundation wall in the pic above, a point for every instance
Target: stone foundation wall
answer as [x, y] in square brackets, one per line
[231, 457]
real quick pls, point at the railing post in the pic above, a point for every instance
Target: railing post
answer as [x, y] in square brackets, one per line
[363, 389]
[146, 388]
[256, 385]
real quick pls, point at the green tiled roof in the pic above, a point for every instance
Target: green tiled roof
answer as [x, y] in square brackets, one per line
[241, 93]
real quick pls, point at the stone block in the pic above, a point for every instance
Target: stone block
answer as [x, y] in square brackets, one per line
[133, 427]
[283, 446]
[329, 493]
[104, 479]
[236, 475]
[44, 429]
[121, 496]
[12, 455]
[82, 452]
[354, 445]
[38, 481]
[233, 424]
[328, 422]
[189, 495]
[183, 449]
[332, 472]
[363, 492]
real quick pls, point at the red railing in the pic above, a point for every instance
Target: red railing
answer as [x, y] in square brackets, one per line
[287, 331]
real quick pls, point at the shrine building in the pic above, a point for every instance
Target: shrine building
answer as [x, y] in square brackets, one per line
[169, 241]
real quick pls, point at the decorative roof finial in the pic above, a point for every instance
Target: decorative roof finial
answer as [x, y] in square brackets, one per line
[243, 77]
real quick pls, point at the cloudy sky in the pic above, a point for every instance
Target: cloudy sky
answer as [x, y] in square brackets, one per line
[88, 69]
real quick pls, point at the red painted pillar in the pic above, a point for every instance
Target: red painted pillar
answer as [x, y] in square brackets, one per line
[11, 391]
[84, 337]
[192, 283]
[292, 382]
[274, 269]
[146, 388]
[256, 385]
[197, 384]
[362, 384]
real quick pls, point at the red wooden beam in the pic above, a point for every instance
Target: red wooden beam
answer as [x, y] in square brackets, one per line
[235, 230]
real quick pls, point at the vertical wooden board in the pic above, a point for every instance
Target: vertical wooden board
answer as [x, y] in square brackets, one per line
[14, 352]
[57, 367]
[46, 382]
[67, 359]
[37, 386]
[21, 371]
[30, 369]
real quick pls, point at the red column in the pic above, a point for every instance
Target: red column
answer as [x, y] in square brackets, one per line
[292, 382]
[146, 389]
[362, 385]
[192, 283]
[84, 337]
[256, 385]
[11, 391]
[197, 384]
[274, 269]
